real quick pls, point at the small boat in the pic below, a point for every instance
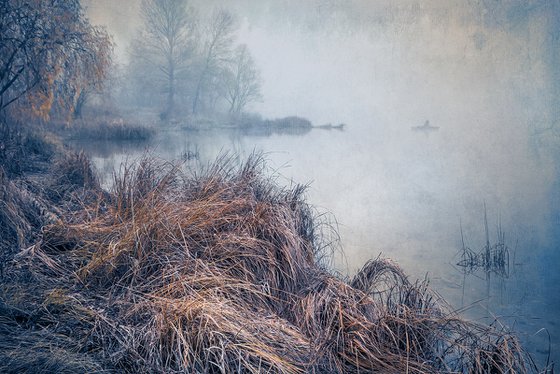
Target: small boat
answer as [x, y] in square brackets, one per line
[426, 127]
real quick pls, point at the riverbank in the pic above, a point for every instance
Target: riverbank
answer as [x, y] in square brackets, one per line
[220, 271]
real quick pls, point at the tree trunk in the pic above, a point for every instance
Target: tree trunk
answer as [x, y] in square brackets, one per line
[171, 93]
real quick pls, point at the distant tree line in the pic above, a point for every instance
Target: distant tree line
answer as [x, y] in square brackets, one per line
[183, 66]
[51, 58]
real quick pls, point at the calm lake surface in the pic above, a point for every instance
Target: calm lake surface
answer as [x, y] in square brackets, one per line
[406, 195]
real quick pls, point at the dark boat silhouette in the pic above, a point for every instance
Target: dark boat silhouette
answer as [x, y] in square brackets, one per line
[426, 127]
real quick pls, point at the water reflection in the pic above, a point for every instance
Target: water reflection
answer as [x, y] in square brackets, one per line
[498, 286]
[185, 143]
[493, 258]
[272, 130]
[492, 261]
[108, 148]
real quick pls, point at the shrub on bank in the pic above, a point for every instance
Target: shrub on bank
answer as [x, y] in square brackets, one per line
[107, 130]
[22, 150]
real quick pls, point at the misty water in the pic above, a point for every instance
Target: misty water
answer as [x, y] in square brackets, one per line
[405, 195]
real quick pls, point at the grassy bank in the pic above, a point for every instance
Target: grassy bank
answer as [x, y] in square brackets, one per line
[215, 272]
[251, 124]
[109, 130]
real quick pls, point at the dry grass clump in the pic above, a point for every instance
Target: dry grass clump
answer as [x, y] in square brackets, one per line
[22, 213]
[16, 221]
[38, 330]
[219, 272]
[25, 202]
[22, 150]
[75, 169]
[73, 184]
[27, 205]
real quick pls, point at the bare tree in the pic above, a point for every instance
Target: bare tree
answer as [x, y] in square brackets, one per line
[104, 93]
[48, 49]
[166, 44]
[86, 70]
[216, 52]
[242, 83]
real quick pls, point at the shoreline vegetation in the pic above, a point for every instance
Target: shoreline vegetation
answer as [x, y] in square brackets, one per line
[219, 270]
[255, 124]
[115, 130]
[248, 121]
[112, 129]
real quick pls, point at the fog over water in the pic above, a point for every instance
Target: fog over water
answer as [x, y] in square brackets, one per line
[484, 72]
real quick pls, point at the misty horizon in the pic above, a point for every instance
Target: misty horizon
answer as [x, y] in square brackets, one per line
[437, 57]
